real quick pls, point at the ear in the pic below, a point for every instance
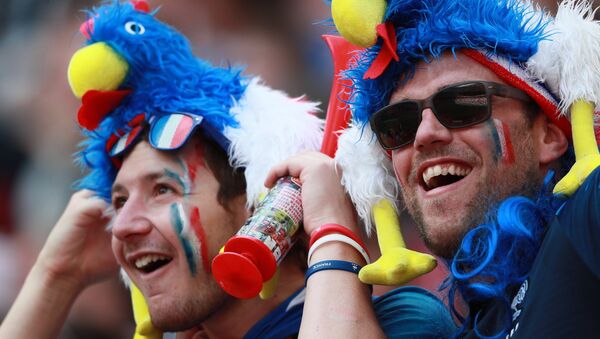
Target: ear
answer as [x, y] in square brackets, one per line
[551, 140]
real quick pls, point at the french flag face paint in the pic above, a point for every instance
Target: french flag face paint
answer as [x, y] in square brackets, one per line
[196, 224]
[190, 243]
[502, 140]
[172, 131]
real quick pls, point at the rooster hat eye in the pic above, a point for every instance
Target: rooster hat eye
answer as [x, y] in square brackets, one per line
[134, 28]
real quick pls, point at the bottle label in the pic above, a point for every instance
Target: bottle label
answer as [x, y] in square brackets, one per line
[277, 217]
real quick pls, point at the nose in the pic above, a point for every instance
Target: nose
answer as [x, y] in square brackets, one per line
[431, 133]
[132, 220]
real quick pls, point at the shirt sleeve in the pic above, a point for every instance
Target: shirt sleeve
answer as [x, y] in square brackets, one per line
[580, 218]
[412, 312]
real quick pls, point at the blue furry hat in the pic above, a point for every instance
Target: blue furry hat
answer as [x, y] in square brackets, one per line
[425, 29]
[134, 64]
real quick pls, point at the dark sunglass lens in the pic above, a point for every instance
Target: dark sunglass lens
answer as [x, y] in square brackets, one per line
[397, 125]
[462, 105]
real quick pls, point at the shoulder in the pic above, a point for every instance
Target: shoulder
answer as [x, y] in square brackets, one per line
[589, 190]
[413, 312]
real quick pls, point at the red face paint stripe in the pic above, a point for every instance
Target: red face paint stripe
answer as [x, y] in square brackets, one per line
[510, 154]
[191, 167]
[197, 227]
[503, 134]
[197, 162]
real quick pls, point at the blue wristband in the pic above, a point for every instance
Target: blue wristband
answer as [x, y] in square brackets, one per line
[331, 265]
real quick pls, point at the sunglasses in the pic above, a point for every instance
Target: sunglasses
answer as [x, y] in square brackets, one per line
[459, 105]
[166, 132]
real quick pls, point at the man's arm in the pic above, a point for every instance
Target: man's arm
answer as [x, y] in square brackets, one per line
[76, 254]
[337, 304]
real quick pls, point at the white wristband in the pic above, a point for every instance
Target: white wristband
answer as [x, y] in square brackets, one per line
[338, 237]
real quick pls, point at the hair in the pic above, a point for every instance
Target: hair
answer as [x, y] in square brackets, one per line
[496, 256]
[232, 182]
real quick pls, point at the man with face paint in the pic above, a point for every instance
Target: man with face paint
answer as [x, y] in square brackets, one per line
[174, 175]
[466, 106]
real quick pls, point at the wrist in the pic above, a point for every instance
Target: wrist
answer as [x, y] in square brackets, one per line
[336, 250]
[50, 277]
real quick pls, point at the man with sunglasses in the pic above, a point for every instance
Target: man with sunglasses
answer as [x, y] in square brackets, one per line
[180, 183]
[467, 104]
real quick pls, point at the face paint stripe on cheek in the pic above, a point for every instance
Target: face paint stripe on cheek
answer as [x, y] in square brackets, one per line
[495, 139]
[178, 226]
[176, 177]
[196, 162]
[187, 179]
[197, 227]
[508, 154]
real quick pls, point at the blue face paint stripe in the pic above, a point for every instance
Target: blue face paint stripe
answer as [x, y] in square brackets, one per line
[177, 223]
[187, 182]
[494, 132]
[176, 177]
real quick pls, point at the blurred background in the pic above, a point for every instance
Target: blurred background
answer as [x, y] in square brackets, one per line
[276, 39]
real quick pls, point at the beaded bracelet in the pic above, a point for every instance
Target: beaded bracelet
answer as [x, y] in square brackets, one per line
[332, 265]
[338, 237]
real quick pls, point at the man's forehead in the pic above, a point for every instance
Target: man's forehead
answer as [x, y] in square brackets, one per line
[145, 162]
[430, 77]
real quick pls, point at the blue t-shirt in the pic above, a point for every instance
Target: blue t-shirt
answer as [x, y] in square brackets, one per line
[561, 296]
[405, 312]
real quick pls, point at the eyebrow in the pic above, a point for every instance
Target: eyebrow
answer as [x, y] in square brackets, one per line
[152, 176]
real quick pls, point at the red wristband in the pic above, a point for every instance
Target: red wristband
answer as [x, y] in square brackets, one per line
[326, 229]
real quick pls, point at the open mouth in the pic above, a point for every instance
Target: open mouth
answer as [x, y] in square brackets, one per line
[152, 262]
[443, 175]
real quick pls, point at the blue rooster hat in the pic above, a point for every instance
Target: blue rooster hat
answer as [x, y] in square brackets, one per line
[556, 61]
[135, 68]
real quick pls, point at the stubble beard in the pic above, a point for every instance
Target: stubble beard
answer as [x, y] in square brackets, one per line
[444, 239]
[184, 312]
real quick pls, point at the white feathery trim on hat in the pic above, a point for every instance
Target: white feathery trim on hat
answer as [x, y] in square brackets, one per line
[368, 175]
[569, 61]
[124, 277]
[272, 127]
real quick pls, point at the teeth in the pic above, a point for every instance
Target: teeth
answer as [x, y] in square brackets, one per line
[147, 259]
[437, 170]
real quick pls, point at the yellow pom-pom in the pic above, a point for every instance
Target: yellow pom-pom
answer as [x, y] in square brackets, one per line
[97, 67]
[356, 20]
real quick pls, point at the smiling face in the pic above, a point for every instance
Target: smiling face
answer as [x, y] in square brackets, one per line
[168, 227]
[451, 177]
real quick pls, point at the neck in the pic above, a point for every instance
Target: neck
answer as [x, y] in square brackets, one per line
[237, 316]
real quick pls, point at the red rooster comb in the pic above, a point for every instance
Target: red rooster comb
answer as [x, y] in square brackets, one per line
[141, 5]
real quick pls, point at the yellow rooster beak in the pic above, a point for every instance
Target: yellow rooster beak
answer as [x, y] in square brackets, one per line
[98, 67]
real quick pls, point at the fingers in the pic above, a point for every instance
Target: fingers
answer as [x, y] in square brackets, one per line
[85, 209]
[295, 166]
